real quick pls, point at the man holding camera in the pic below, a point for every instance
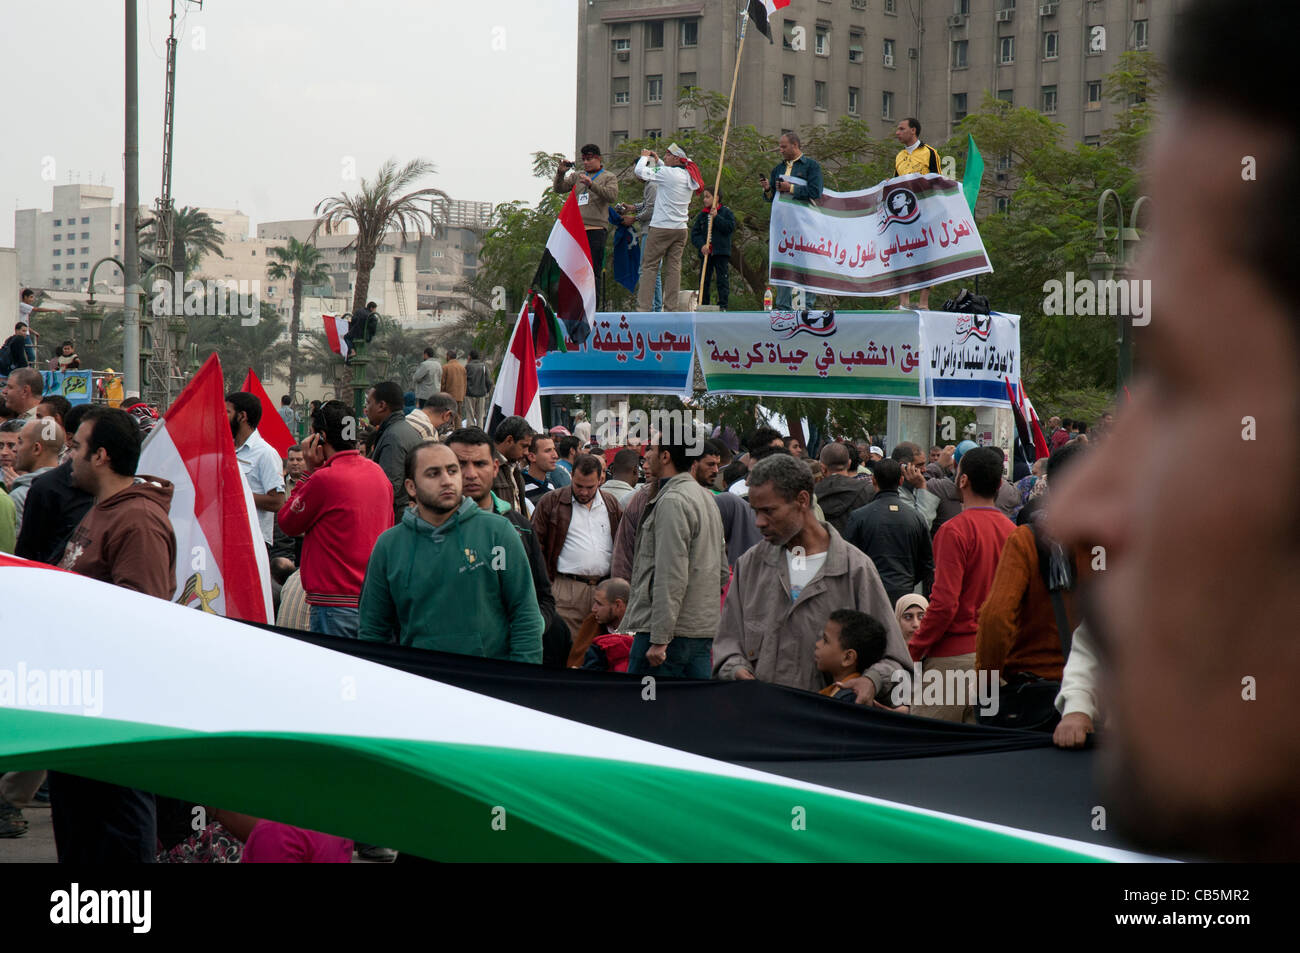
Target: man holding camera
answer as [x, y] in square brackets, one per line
[595, 189]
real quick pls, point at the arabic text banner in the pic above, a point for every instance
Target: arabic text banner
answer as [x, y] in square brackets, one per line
[909, 232]
[625, 354]
[968, 357]
[868, 354]
[74, 385]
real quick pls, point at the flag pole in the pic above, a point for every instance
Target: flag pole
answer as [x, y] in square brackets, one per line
[722, 154]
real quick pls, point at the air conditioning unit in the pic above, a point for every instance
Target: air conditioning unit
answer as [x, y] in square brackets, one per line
[889, 59]
[1004, 16]
[624, 56]
[957, 20]
[1047, 9]
[911, 52]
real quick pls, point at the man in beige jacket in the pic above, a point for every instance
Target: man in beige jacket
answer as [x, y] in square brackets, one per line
[596, 189]
[785, 588]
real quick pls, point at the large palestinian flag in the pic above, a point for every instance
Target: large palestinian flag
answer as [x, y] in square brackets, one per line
[221, 713]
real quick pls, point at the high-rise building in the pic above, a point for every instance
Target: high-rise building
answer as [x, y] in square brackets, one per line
[878, 60]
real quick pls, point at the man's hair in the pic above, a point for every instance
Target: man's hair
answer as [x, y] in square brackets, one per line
[20, 325]
[763, 453]
[791, 438]
[863, 634]
[835, 455]
[615, 589]
[371, 304]
[915, 124]
[118, 434]
[72, 419]
[532, 442]
[390, 394]
[470, 437]
[788, 476]
[513, 427]
[983, 468]
[473, 355]
[936, 448]
[29, 376]
[905, 452]
[286, 400]
[296, 447]
[13, 425]
[1267, 208]
[1064, 459]
[587, 464]
[1066, 422]
[429, 352]
[331, 419]
[762, 437]
[680, 450]
[67, 344]
[246, 404]
[713, 448]
[411, 457]
[567, 445]
[855, 456]
[590, 149]
[451, 354]
[733, 471]
[441, 402]
[1002, 454]
[793, 137]
[59, 404]
[625, 461]
[888, 473]
[26, 292]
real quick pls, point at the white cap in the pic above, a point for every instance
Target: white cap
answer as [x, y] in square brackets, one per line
[676, 150]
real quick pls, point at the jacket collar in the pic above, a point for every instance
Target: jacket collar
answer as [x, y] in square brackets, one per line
[837, 558]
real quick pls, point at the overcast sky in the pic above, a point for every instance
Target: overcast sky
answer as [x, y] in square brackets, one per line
[274, 96]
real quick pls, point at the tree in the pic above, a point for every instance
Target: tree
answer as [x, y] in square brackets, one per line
[242, 346]
[303, 264]
[377, 207]
[194, 234]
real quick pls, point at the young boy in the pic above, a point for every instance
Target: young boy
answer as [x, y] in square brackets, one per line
[851, 643]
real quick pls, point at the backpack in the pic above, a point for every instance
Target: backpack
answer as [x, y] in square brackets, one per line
[967, 303]
[6, 357]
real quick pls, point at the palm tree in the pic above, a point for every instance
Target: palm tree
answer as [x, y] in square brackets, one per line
[303, 263]
[374, 209]
[194, 234]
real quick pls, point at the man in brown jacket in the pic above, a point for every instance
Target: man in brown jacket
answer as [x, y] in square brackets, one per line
[575, 526]
[126, 540]
[454, 383]
[785, 588]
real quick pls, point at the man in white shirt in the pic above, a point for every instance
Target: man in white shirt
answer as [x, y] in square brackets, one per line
[575, 526]
[676, 181]
[258, 461]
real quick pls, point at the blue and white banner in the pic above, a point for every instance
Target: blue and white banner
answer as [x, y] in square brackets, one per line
[967, 358]
[625, 354]
[76, 386]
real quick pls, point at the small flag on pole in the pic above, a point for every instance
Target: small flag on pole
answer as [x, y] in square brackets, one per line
[970, 181]
[761, 10]
[335, 330]
[516, 390]
[271, 427]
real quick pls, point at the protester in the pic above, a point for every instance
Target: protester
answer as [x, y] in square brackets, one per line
[914, 157]
[270, 842]
[287, 415]
[36, 454]
[912, 487]
[258, 460]
[601, 643]
[784, 589]
[566, 451]
[910, 611]
[851, 642]
[715, 251]
[454, 384]
[1079, 700]
[362, 328]
[893, 535]
[839, 493]
[396, 437]
[575, 527]
[9, 432]
[800, 177]
[67, 359]
[22, 392]
[966, 553]
[705, 467]
[340, 507]
[54, 504]
[478, 385]
[512, 438]
[623, 475]
[125, 540]
[427, 378]
[13, 354]
[56, 406]
[542, 461]
[676, 180]
[472, 597]
[596, 189]
[678, 570]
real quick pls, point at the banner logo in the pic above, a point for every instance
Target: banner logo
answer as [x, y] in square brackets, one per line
[973, 325]
[790, 323]
[900, 205]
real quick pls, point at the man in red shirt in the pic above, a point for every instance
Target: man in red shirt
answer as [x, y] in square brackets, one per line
[339, 507]
[966, 552]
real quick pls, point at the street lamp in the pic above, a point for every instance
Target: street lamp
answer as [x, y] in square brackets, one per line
[1103, 267]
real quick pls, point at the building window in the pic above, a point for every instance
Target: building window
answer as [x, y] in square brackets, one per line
[58, 267]
[72, 251]
[1049, 100]
[1006, 96]
[886, 104]
[890, 6]
[853, 100]
[85, 251]
[117, 241]
[958, 107]
[1139, 34]
[654, 88]
[1051, 43]
[1094, 95]
[117, 228]
[85, 220]
[889, 52]
[1004, 162]
[686, 81]
[85, 235]
[690, 33]
[962, 7]
[72, 236]
[58, 252]
[1003, 204]
[819, 94]
[823, 41]
[58, 223]
[85, 265]
[622, 45]
[654, 35]
[855, 47]
[618, 136]
[57, 237]
[787, 89]
[653, 133]
[959, 53]
[1093, 141]
[787, 34]
[621, 95]
[1006, 50]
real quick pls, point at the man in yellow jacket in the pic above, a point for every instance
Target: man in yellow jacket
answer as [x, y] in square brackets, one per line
[914, 157]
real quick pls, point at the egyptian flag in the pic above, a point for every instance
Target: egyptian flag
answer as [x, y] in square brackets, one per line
[336, 328]
[516, 390]
[271, 427]
[566, 277]
[548, 333]
[221, 560]
[761, 10]
[1027, 426]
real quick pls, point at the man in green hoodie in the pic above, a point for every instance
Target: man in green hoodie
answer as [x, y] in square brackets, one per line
[450, 577]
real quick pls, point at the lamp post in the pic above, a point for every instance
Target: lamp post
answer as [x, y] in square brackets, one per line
[1103, 267]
